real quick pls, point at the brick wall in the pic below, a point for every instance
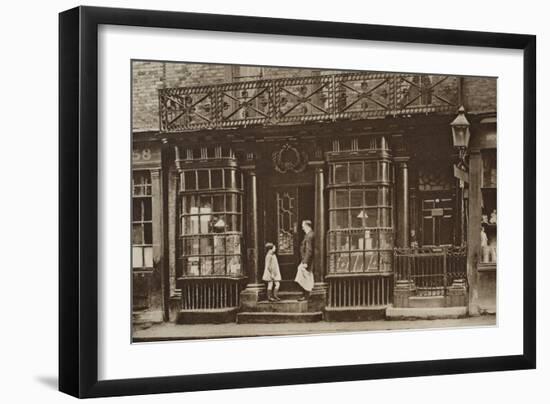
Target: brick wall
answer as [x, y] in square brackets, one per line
[148, 77]
[479, 94]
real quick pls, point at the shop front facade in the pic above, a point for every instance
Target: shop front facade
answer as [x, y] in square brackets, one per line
[368, 158]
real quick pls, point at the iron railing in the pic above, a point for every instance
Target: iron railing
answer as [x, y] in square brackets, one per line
[432, 269]
[366, 290]
[307, 99]
[210, 293]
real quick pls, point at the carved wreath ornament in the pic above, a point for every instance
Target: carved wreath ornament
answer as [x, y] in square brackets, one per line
[288, 158]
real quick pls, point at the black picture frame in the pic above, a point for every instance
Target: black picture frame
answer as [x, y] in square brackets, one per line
[78, 195]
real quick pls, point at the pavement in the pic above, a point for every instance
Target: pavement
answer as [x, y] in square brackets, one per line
[172, 331]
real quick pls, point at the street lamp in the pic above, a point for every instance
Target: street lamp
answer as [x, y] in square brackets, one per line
[461, 134]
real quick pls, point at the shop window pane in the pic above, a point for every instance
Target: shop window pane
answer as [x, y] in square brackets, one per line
[372, 218]
[193, 266]
[137, 209]
[148, 257]
[137, 257]
[204, 223]
[226, 151]
[332, 263]
[384, 196]
[233, 244]
[342, 262]
[357, 262]
[206, 204]
[371, 240]
[234, 266]
[148, 233]
[238, 223]
[191, 204]
[219, 244]
[357, 241]
[331, 241]
[356, 172]
[341, 198]
[371, 261]
[218, 203]
[141, 183]
[385, 261]
[371, 171]
[190, 180]
[219, 265]
[339, 219]
[230, 223]
[358, 218]
[356, 198]
[204, 181]
[147, 209]
[239, 182]
[191, 246]
[137, 234]
[233, 219]
[371, 197]
[206, 266]
[385, 217]
[231, 203]
[228, 183]
[218, 223]
[382, 143]
[207, 246]
[345, 144]
[489, 177]
[386, 240]
[183, 225]
[366, 143]
[384, 171]
[340, 173]
[197, 153]
[217, 178]
[342, 242]
[192, 225]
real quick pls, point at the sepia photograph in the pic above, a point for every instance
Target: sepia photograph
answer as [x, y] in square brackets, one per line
[273, 201]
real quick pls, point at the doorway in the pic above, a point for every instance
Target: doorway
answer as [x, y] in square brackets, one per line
[286, 207]
[437, 218]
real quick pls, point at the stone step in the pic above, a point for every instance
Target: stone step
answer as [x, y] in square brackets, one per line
[207, 316]
[289, 295]
[272, 318]
[283, 306]
[369, 313]
[425, 313]
[418, 302]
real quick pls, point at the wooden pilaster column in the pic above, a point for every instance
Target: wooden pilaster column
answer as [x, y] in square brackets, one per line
[320, 224]
[157, 291]
[251, 294]
[165, 268]
[317, 301]
[156, 215]
[474, 229]
[402, 201]
[252, 246]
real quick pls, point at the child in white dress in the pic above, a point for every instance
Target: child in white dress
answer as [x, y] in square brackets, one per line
[272, 274]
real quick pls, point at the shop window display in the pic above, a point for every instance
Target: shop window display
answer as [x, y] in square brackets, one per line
[210, 226]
